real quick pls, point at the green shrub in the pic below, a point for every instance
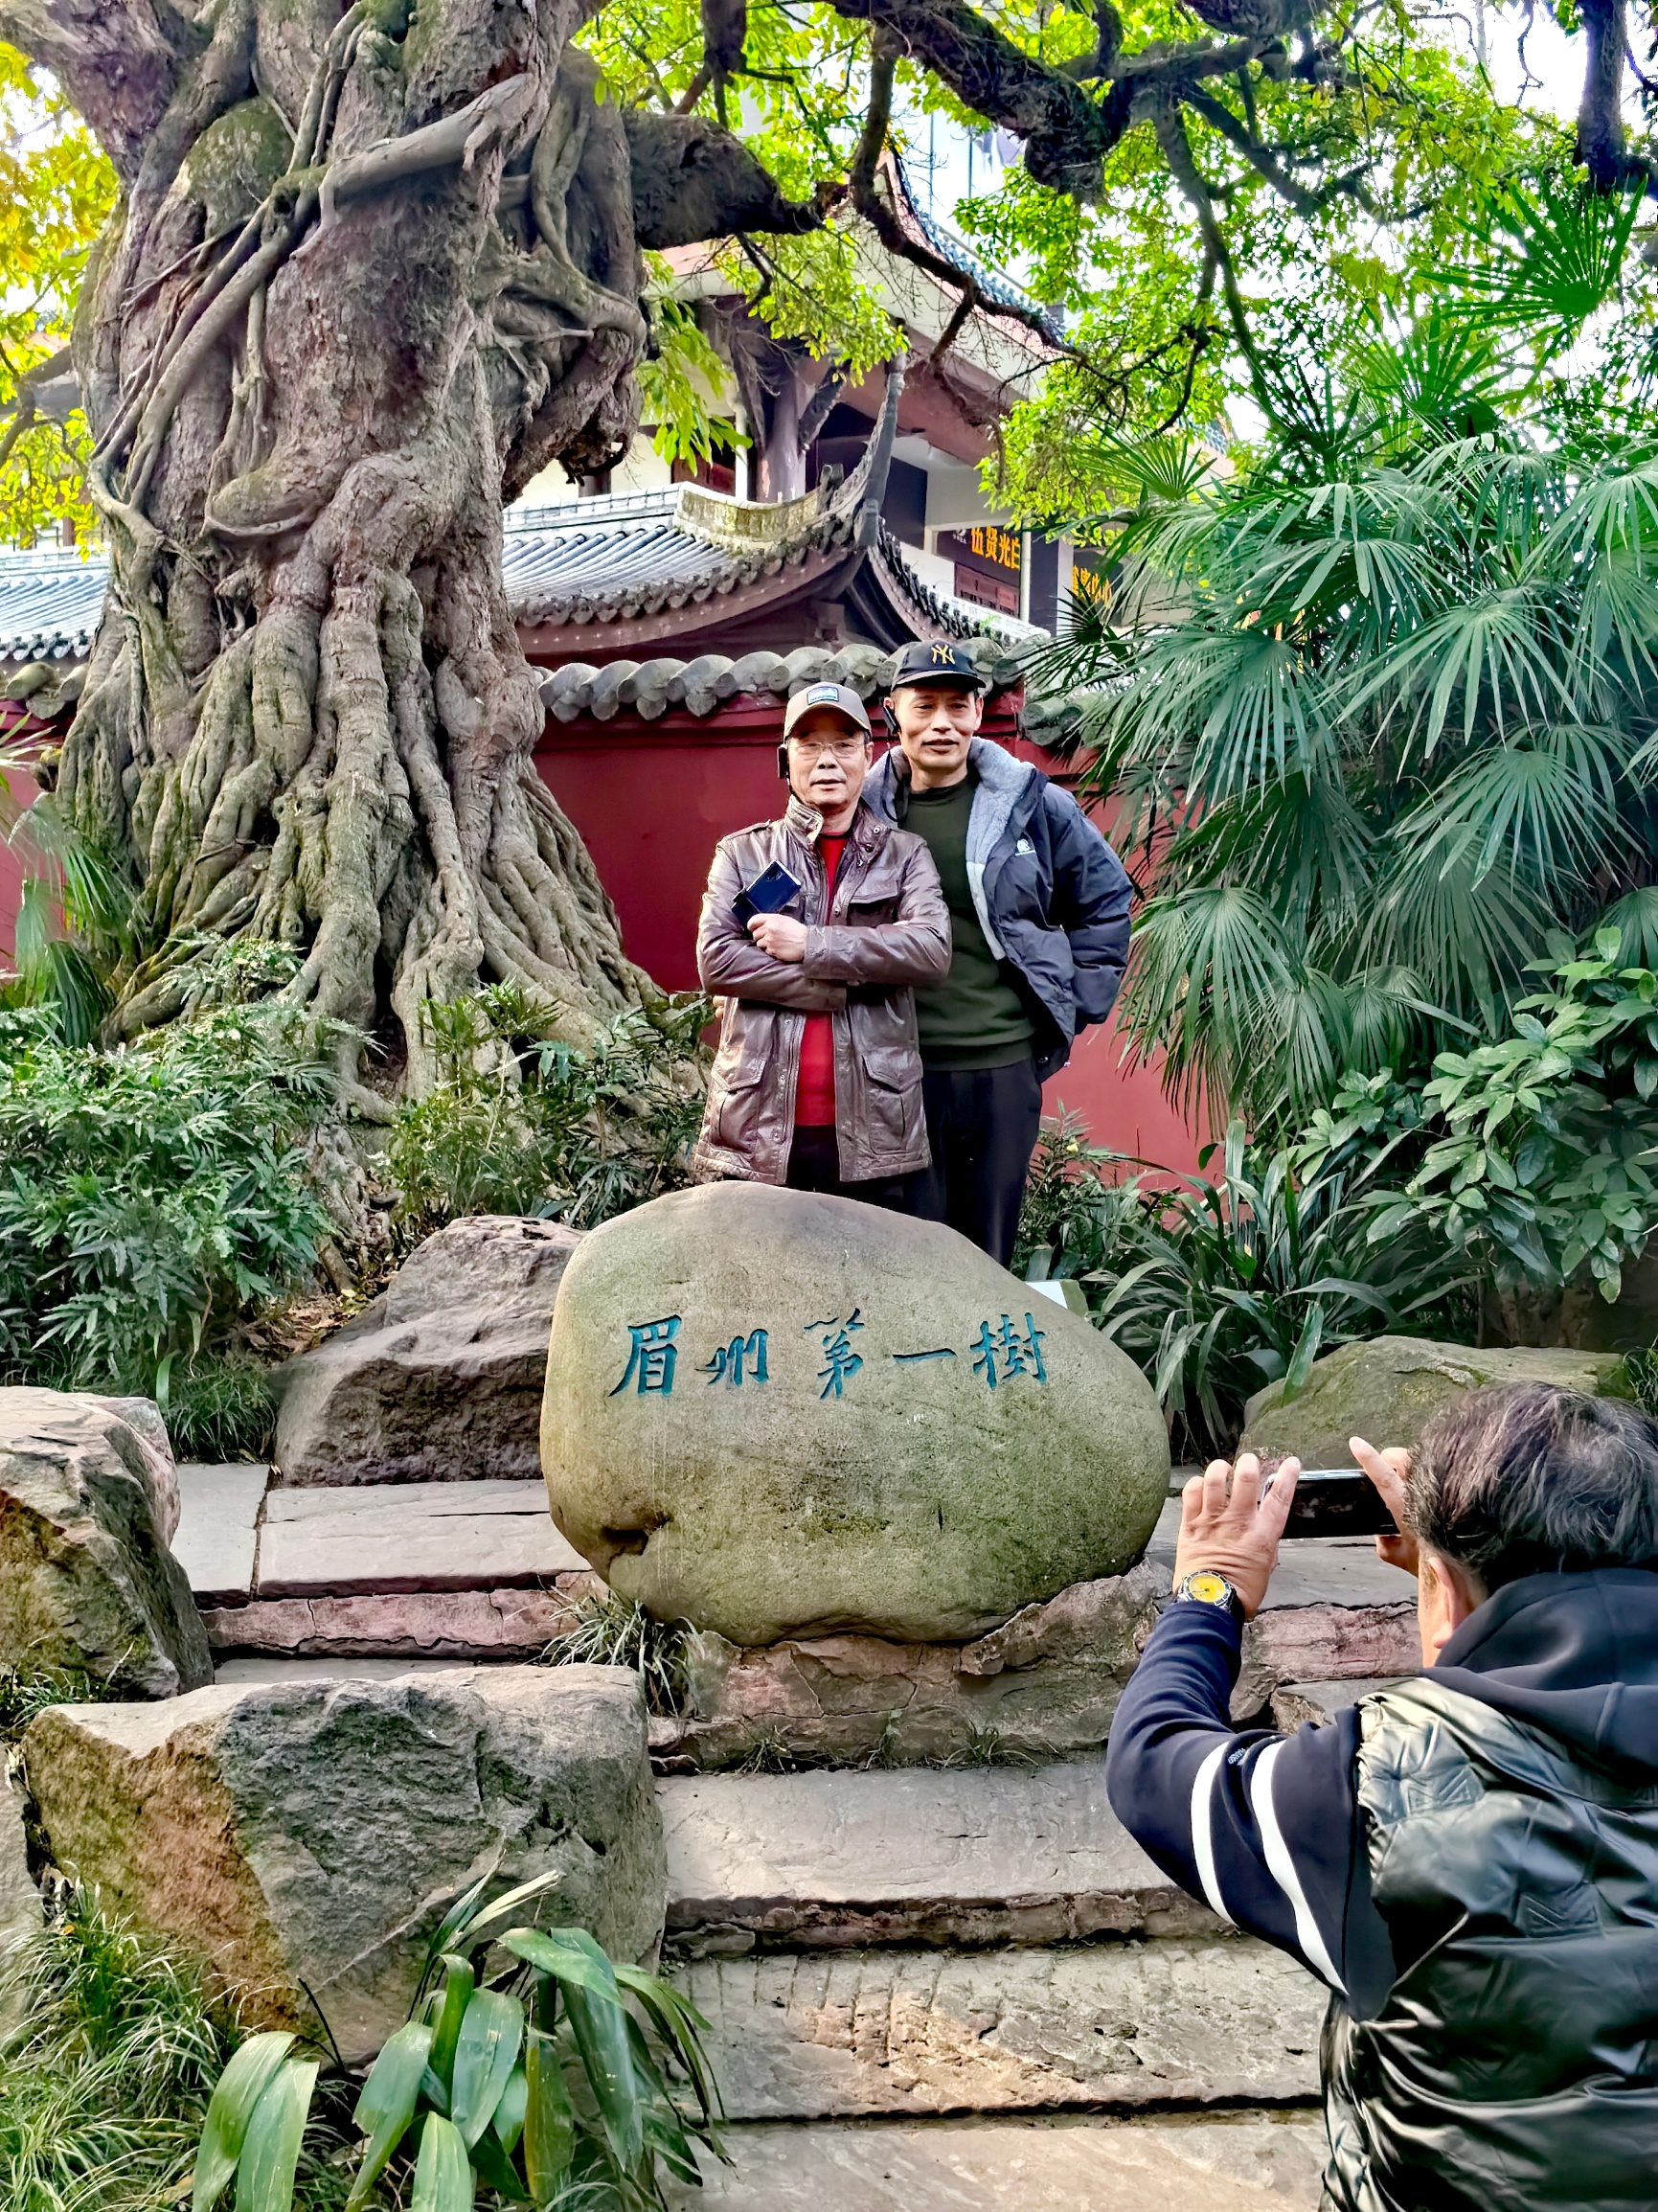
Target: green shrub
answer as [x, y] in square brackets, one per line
[1216, 1289]
[521, 1122]
[151, 1194]
[1532, 1157]
[104, 2083]
[542, 2081]
[220, 1408]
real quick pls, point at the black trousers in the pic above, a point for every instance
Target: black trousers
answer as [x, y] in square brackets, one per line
[814, 1164]
[982, 1125]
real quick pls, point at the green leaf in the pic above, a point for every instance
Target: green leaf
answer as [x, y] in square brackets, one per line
[599, 2026]
[387, 2104]
[264, 2175]
[1304, 1353]
[458, 1989]
[507, 2124]
[228, 2111]
[486, 2053]
[549, 2122]
[443, 2171]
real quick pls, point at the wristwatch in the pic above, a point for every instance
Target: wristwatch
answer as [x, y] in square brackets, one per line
[1205, 1587]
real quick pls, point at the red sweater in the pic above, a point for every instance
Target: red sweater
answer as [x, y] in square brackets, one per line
[814, 1098]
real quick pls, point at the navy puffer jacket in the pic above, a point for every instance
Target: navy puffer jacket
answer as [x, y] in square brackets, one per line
[1051, 896]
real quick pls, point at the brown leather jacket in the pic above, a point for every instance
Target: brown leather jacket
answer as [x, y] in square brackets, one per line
[887, 929]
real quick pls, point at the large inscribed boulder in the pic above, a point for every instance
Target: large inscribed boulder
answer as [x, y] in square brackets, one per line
[88, 1496]
[771, 1414]
[1388, 1389]
[439, 1379]
[307, 1837]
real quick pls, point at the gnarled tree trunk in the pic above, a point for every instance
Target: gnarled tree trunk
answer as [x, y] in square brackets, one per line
[373, 268]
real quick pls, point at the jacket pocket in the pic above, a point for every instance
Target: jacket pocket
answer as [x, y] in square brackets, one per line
[736, 1088]
[894, 1076]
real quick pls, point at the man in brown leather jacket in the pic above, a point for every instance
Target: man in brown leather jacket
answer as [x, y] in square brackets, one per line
[818, 1079]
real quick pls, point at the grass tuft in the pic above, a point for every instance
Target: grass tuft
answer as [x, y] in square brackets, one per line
[614, 1632]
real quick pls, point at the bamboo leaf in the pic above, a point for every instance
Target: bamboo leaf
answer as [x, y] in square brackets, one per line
[457, 1990]
[264, 2175]
[549, 2121]
[443, 2171]
[506, 2123]
[387, 2104]
[485, 2052]
[228, 2111]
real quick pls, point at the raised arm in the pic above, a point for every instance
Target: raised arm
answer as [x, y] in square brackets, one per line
[733, 966]
[913, 948]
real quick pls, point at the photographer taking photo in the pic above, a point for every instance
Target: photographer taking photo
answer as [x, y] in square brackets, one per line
[815, 928]
[1467, 1860]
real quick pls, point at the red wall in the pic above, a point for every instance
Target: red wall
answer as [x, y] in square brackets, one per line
[23, 791]
[652, 798]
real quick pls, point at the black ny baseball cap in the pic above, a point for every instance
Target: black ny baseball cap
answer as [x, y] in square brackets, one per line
[940, 663]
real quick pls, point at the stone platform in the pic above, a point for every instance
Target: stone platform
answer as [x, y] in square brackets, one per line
[1172, 2163]
[452, 1570]
[476, 1570]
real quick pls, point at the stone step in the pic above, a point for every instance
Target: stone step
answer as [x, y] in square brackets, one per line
[449, 1570]
[1098, 2026]
[1252, 2161]
[989, 1854]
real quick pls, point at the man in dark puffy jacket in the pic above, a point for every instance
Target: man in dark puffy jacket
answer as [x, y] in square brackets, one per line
[1039, 931]
[1468, 1860]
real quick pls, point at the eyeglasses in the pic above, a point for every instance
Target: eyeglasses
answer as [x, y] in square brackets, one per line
[843, 750]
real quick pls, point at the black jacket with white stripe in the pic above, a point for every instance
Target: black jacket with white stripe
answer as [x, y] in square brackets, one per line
[1470, 1866]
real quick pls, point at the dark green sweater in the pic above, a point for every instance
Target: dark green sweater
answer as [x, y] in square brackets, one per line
[974, 1018]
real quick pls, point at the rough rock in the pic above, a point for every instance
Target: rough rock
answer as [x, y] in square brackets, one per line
[1387, 1391]
[774, 1414]
[1045, 1684]
[86, 1580]
[1153, 2162]
[820, 2033]
[439, 1379]
[971, 1856]
[20, 1908]
[307, 1836]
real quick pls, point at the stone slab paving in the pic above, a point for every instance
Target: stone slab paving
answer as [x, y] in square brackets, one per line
[457, 1625]
[984, 1855]
[269, 1667]
[1172, 2164]
[216, 1541]
[820, 2035]
[410, 1536]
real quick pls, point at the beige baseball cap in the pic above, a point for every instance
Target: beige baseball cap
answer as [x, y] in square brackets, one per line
[839, 699]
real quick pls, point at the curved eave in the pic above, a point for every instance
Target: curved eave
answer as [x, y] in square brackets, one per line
[590, 629]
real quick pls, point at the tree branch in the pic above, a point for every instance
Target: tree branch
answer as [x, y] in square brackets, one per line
[1176, 148]
[25, 413]
[1067, 136]
[1599, 122]
[1261, 159]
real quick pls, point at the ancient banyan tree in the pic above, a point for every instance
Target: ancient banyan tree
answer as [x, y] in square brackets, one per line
[369, 272]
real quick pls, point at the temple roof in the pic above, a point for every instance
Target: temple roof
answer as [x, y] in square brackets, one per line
[650, 687]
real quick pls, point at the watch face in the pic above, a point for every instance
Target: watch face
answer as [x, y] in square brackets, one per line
[1209, 1589]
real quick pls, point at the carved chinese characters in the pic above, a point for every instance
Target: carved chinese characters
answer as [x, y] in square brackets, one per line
[772, 1414]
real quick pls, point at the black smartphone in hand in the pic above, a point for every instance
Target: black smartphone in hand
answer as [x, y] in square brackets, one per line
[769, 893]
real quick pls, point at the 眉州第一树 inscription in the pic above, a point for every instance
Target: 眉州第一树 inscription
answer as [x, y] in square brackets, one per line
[1000, 1354]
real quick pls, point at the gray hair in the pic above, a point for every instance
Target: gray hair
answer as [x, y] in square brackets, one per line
[1528, 1479]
